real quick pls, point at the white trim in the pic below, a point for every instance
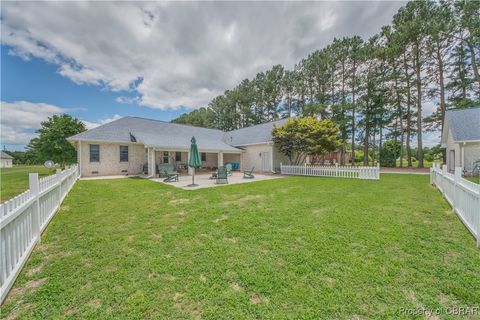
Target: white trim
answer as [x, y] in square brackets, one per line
[187, 150]
[462, 155]
[465, 141]
[254, 144]
[79, 158]
[105, 141]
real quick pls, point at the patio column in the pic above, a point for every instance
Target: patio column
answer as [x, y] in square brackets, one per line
[151, 162]
[462, 155]
[79, 157]
[220, 159]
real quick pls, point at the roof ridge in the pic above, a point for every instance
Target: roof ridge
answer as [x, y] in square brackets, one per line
[169, 122]
[462, 109]
[256, 125]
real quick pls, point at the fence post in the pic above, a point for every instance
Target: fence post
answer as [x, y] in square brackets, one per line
[456, 178]
[478, 216]
[431, 173]
[34, 187]
[281, 170]
[336, 169]
[378, 171]
[58, 177]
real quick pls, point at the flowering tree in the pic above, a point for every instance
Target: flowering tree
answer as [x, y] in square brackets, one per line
[300, 137]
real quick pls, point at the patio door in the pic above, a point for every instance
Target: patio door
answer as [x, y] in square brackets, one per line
[451, 160]
[266, 162]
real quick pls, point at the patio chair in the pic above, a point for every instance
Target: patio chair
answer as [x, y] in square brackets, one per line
[248, 174]
[170, 176]
[165, 169]
[222, 175]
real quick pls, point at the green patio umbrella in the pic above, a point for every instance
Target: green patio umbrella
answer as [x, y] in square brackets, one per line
[194, 160]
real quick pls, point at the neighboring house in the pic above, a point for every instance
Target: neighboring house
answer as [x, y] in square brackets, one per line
[461, 138]
[6, 160]
[133, 145]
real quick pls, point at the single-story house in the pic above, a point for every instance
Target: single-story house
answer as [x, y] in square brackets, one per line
[6, 160]
[133, 145]
[461, 138]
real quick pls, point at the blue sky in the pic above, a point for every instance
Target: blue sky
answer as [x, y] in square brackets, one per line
[38, 81]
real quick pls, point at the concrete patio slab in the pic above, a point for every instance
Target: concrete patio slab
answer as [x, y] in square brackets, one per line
[203, 180]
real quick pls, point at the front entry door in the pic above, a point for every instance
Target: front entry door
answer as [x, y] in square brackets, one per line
[266, 162]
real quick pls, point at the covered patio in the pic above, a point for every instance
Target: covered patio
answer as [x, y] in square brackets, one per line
[211, 160]
[203, 180]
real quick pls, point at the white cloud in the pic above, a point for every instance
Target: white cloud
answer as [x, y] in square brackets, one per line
[20, 119]
[185, 52]
[91, 125]
[123, 99]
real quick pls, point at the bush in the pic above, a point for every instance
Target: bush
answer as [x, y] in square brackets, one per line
[389, 154]
[359, 157]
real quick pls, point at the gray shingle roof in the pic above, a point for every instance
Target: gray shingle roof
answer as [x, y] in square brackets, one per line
[6, 155]
[155, 133]
[251, 135]
[161, 134]
[464, 124]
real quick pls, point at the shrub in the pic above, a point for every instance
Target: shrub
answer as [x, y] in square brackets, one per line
[389, 154]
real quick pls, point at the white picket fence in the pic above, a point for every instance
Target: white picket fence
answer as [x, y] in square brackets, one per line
[461, 194]
[23, 219]
[371, 173]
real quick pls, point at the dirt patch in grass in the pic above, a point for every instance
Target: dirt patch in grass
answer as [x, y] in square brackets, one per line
[169, 277]
[452, 255]
[318, 210]
[34, 270]
[28, 287]
[17, 311]
[256, 299]
[236, 287]
[221, 218]
[70, 311]
[203, 278]
[62, 254]
[179, 201]
[232, 240]
[241, 202]
[177, 296]
[94, 303]
[330, 282]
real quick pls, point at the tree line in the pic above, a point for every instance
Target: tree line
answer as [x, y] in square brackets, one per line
[374, 90]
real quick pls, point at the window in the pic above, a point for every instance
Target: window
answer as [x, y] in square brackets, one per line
[165, 157]
[178, 156]
[123, 153]
[94, 153]
[204, 156]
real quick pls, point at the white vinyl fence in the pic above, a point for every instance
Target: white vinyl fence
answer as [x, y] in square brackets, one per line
[23, 219]
[372, 173]
[461, 194]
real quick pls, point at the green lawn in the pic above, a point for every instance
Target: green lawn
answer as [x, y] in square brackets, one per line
[473, 179]
[14, 181]
[294, 248]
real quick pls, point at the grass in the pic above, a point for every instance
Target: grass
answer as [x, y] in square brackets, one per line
[296, 247]
[473, 179]
[426, 163]
[14, 181]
